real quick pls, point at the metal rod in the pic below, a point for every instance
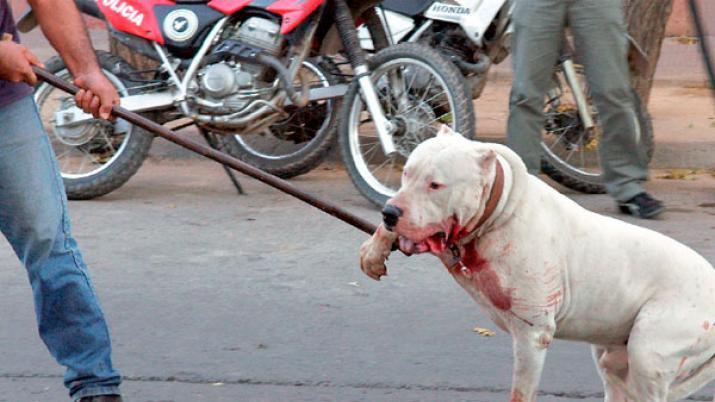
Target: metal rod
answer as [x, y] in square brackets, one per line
[220, 157]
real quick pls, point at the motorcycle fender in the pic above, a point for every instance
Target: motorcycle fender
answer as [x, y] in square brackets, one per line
[399, 26]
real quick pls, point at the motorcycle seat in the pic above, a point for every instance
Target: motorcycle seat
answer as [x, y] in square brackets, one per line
[409, 8]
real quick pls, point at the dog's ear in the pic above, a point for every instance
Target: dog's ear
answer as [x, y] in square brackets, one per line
[486, 158]
[445, 130]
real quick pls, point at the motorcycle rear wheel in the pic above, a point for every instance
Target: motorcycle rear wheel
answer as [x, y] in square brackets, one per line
[570, 153]
[439, 96]
[299, 143]
[93, 159]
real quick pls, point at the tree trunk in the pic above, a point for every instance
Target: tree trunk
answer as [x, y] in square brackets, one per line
[646, 21]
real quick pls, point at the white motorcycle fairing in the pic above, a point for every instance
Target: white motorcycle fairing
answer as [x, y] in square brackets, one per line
[473, 16]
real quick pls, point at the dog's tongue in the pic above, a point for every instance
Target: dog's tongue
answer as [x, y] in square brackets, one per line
[410, 247]
[407, 246]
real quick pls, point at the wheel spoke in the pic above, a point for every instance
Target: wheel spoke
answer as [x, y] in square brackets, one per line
[425, 100]
[570, 154]
[382, 164]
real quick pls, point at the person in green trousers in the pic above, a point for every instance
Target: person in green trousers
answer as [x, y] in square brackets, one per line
[600, 37]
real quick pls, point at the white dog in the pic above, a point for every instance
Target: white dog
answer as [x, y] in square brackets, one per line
[543, 268]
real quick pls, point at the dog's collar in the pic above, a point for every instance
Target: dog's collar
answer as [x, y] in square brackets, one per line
[495, 202]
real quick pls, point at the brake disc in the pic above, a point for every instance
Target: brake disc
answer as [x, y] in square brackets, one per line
[75, 134]
[414, 128]
[574, 135]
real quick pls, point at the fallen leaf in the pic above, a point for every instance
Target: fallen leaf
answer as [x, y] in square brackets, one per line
[446, 118]
[687, 40]
[483, 331]
[679, 174]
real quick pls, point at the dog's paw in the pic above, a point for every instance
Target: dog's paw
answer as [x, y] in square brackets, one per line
[372, 260]
[374, 253]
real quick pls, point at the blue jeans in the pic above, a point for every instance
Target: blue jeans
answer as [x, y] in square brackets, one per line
[33, 217]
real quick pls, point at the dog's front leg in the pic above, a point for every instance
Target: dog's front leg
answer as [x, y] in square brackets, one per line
[529, 356]
[374, 252]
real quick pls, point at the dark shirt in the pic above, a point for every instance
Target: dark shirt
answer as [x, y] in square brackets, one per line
[10, 91]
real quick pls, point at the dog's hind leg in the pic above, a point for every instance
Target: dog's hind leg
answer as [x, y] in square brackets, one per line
[612, 365]
[658, 348]
[647, 384]
[696, 380]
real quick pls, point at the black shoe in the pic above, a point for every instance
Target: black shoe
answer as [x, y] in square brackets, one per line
[101, 398]
[642, 206]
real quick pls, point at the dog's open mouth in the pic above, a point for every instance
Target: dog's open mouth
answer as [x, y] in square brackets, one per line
[436, 243]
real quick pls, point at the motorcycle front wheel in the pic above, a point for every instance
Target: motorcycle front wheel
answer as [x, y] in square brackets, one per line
[432, 92]
[97, 156]
[570, 151]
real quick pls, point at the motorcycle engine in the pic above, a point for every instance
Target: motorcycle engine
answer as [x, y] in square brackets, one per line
[233, 84]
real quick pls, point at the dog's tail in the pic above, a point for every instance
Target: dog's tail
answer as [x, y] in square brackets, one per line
[696, 380]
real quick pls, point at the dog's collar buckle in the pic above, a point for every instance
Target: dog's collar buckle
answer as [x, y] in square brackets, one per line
[455, 255]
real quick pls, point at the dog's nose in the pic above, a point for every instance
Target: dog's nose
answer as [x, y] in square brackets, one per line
[390, 215]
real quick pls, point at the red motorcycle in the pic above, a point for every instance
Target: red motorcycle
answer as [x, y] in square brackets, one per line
[254, 77]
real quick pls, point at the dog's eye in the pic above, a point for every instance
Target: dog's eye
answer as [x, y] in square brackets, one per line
[435, 186]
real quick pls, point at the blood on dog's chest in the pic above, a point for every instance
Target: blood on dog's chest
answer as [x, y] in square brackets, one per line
[483, 278]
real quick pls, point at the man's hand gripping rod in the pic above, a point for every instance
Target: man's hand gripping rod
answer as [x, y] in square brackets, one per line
[220, 157]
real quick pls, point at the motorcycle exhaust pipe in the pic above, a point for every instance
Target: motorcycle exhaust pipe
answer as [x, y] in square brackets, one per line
[220, 157]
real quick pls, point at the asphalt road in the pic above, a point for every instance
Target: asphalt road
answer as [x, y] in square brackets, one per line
[215, 297]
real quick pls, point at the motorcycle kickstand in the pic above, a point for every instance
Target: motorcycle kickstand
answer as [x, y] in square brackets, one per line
[211, 140]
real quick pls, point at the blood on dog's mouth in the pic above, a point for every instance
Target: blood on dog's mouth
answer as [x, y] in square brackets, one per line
[436, 243]
[441, 238]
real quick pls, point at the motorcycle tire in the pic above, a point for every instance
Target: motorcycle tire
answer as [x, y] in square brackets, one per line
[130, 154]
[461, 113]
[316, 120]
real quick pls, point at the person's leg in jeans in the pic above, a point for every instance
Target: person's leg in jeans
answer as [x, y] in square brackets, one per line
[538, 32]
[33, 217]
[600, 38]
